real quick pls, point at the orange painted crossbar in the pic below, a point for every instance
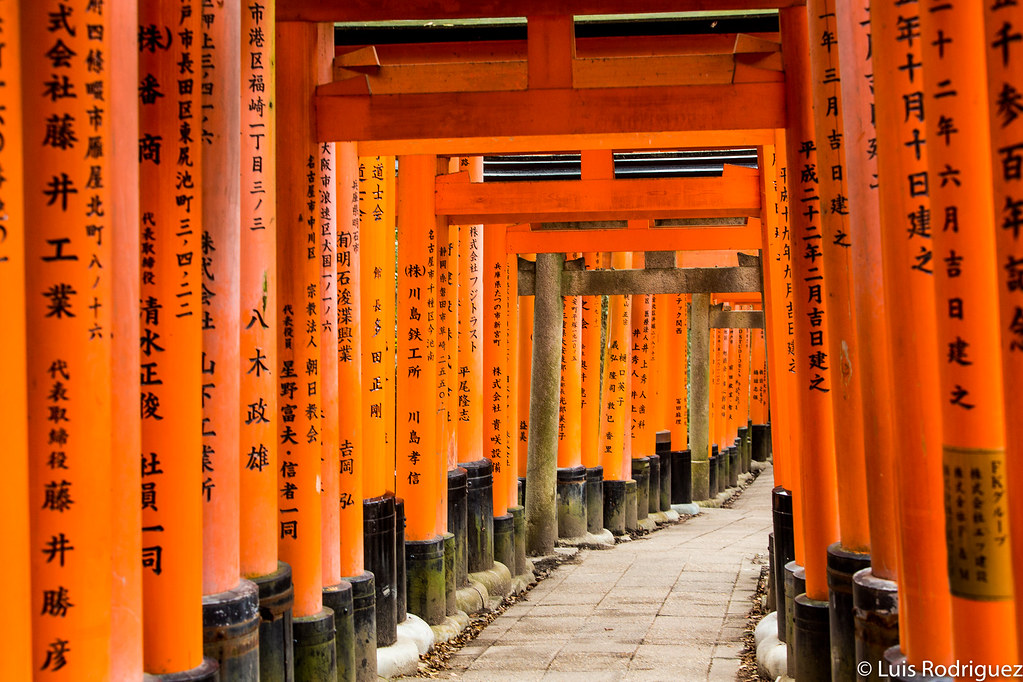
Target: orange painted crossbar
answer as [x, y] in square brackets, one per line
[735, 194]
[521, 239]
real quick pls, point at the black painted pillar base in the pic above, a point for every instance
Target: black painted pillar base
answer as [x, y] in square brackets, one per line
[663, 449]
[518, 514]
[760, 442]
[207, 671]
[276, 641]
[480, 511]
[571, 494]
[458, 520]
[712, 475]
[401, 598]
[898, 669]
[339, 599]
[315, 653]
[876, 616]
[654, 485]
[595, 499]
[364, 623]
[614, 507]
[641, 475]
[681, 477]
[631, 505]
[733, 465]
[772, 579]
[741, 442]
[795, 584]
[425, 587]
[522, 491]
[380, 560]
[842, 564]
[450, 588]
[230, 631]
[784, 546]
[504, 541]
[813, 634]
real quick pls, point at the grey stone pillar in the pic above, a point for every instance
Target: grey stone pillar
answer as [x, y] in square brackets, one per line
[542, 447]
[699, 393]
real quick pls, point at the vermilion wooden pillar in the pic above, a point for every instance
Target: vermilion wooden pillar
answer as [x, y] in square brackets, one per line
[376, 230]
[69, 317]
[494, 350]
[512, 389]
[126, 517]
[615, 403]
[258, 292]
[171, 343]
[639, 370]
[840, 355]
[872, 336]
[304, 57]
[221, 257]
[589, 365]
[677, 404]
[814, 382]
[16, 651]
[447, 352]
[471, 399]
[969, 352]
[332, 392]
[925, 628]
[351, 448]
[569, 412]
[1005, 82]
[525, 368]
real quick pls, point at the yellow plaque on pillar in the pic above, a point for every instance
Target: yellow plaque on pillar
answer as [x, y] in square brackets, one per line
[977, 524]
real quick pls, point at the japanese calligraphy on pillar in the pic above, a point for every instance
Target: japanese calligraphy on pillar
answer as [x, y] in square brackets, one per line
[330, 389]
[959, 163]
[615, 401]
[258, 291]
[642, 387]
[349, 340]
[447, 344]
[68, 318]
[589, 369]
[470, 330]
[171, 314]
[678, 368]
[495, 303]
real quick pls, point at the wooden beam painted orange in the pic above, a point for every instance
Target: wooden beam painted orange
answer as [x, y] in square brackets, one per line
[341, 116]
[521, 239]
[735, 194]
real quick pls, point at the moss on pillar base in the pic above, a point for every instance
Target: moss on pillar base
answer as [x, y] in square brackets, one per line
[315, 653]
[425, 582]
[338, 598]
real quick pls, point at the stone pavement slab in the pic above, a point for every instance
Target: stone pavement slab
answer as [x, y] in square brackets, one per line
[669, 606]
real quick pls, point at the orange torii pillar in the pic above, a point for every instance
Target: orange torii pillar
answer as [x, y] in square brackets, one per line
[351, 445]
[814, 379]
[525, 371]
[742, 385]
[653, 413]
[68, 266]
[615, 404]
[16, 652]
[661, 323]
[126, 513]
[779, 318]
[496, 292]
[170, 343]
[230, 604]
[376, 258]
[521, 568]
[338, 593]
[478, 535]
[1003, 22]
[852, 552]
[304, 53]
[420, 464]
[732, 418]
[643, 434]
[875, 594]
[925, 626]
[677, 399]
[589, 396]
[258, 306]
[969, 351]
[571, 486]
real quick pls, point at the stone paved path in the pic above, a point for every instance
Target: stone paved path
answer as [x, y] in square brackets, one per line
[670, 606]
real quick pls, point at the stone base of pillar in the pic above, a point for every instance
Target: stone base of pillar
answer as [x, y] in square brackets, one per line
[733, 466]
[811, 619]
[876, 615]
[842, 564]
[276, 642]
[572, 502]
[898, 669]
[654, 485]
[713, 480]
[480, 510]
[795, 584]
[230, 631]
[457, 523]
[207, 671]
[414, 637]
[664, 498]
[523, 566]
[641, 475]
[614, 506]
[315, 651]
[364, 624]
[450, 586]
[631, 502]
[401, 596]
[504, 541]
[493, 584]
[681, 477]
[784, 547]
[595, 500]
[425, 586]
[700, 477]
[741, 442]
[339, 599]
[380, 560]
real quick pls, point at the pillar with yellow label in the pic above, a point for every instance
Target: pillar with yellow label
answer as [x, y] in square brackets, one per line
[969, 353]
[908, 266]
[1002, 22]
[304, 52]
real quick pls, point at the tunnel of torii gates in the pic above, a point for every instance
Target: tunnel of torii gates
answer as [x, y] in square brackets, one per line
[283, 367]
